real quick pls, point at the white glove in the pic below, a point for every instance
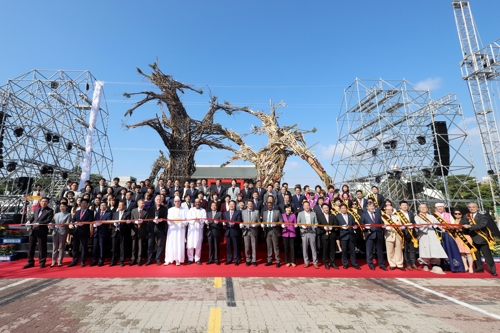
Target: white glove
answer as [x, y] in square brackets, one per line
[254, 225]
[402, 228]
[35, 224]
[79, 224]
[283, 226]
[115, 224]
[28, 223]
[136, 222]
[242, 226]
[94, 225]
[304, 227]
[355, 227]
[368, 225]
[128, 221]
[273, 225]
[262, 225]
[388, 228]
[344, 227]
[155, 221]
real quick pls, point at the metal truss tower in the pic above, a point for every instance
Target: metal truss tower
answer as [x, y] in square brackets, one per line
[480, 65]
[393, 135]
[43, 125]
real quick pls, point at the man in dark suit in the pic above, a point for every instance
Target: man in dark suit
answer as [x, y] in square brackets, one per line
[257, 203]
[378, 199]
[81, 233]
[137, 193]
[347, 236]
[176, 187]
[116, 186]
[138, 232]
[100, 235]
[161, 184]
[297, 199]
[218, 188]
[286, 201]
[362, 202]
[374, 236]
[157, 231]
[250, 232]
[258, 188]
[214, 232]
[280, 196]
[129, 203]
[478, 227]
[233, 234]
[101, 188]
[119, 234]
[328, 235]
[192, 191]
[38, 233]
[272, 232]
[408, 218]
[246, 192]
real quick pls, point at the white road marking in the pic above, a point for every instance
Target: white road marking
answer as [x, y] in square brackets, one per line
[15, 284]
[472, 307]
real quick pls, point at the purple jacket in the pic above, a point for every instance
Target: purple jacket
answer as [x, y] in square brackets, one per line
[289, 230]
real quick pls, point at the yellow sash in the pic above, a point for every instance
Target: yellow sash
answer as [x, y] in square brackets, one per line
[357, 218]
[374, 198]
[457, 233]
[387, 219]
[423, 217]
[335, 210]
[486, 235]
[411, 232]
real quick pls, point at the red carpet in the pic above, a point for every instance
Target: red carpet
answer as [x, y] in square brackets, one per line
[14, 270]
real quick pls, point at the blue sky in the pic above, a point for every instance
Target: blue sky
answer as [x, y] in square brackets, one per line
[247, 52]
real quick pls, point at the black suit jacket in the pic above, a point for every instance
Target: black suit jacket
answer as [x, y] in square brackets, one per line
[124, 227]
[282, 208]
[482, 223]
[134, 228]
[97, 189]
[346, 234]
[247, 194]
[88, 216]
[261, 194]
[214, 229]
[44, 219]
[297, 202]
[235, 229]
[102, 230]
[193, 193]
[137, 196]
[372, 232]
[131, 206]
[221, 193]
[162, 213]
[320, 231]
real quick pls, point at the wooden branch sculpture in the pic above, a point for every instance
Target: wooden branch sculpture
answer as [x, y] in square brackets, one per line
[181, 135]
[282, 143]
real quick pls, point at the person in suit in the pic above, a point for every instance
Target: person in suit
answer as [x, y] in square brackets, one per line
[137, 193]
[297, 200]
[116, 186]
[329, 236]
[272, 232]
[234, 190]
[246, 192]
[408, 219]
[347, 236]
[280, 196]
[288, 234]
[269, 193]
[119, 231]
[393, 242]
[161, 185]
[64, 189]
[81, 233]
[377, 198]
[129, 203]
[138, 232]
[38, 233]
[260, 191]
[287, 200]
[250, 232]
[480, 228]
[101, 188]
[157, 231]
[214, 232]
[233, 234]
[218, 188]
[192, 192]
[308, 233]
[176, 187]
[374, 236]
[60, 233]
[100, 235]
[257, 203]
[224, 207]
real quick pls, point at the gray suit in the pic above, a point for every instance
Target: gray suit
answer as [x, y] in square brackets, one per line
[272, 234]
[250, 234]
[59, 236]
[308, 235]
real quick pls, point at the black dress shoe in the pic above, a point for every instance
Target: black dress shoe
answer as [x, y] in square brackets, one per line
[371, 267]
[42, 265]
[132, 263]
[100, 264]
[122, 264]
[210, 262]
[345, 267]
[334, 266]
[72, 264]
[268, 263]
[326, 266]
[248, 263]
[189, 262]
[479, 270]
[217, 263]
[149, 262]
[392, 268]
[228, 263]
[494, 274]
[83, 264]
[278, 265]
[28, 266]
[255, 264]
[112, 264]
[198, 262]
[237, 263]
[402, 269]
[158, 263]
[383, 268]
[357, 267]
[93, 264]
[139, 263]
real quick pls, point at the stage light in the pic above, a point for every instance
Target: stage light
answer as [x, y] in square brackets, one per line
[64, 175]
[55, 138]
[54, 85]
[1, 164]
[87, 87]
[69, 146]
[421, 140]
[46, 169]
[392, 144]
[427, 173]
[11, 166]
[374, 151]
[397, 175]
[378, 179]
[48, 136]
[491, 172]
[18, 132]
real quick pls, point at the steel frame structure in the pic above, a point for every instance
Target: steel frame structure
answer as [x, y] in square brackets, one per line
[479, 66]
[386, 136]
[49, 111]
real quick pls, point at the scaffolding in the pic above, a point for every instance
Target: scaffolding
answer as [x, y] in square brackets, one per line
[43, 125]
[393, 135]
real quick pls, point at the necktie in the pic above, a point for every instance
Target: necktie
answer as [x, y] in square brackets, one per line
[102, 214]
[230, 215]
[38, 193]
[40, 212]
[249, 216]
[139, 213]
[373, 217]
[128, 203]
[270, 216]
[81, 214]
[345, 219]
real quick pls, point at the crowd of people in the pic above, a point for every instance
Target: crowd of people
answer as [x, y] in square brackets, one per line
[164, 223]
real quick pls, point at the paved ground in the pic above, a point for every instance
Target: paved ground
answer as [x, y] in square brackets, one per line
[249, 305]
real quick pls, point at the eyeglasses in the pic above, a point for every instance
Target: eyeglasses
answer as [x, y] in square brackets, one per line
[457, 213]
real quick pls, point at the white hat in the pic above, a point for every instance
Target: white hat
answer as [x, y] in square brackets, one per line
[439, 204]
[177, 198]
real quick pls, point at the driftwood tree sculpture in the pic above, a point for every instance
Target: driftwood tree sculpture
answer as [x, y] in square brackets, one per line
[282, 143]
[181, 135]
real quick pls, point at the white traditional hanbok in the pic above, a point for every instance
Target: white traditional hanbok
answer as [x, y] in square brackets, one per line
[196, 218]
[429, 247]
[174, 248]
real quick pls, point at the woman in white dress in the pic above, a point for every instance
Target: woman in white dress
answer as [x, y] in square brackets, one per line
[175, 248]
[429, 247]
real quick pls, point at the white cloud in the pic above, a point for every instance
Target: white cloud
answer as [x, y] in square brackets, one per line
[431, 83]
[326, 152]
[292, 165]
